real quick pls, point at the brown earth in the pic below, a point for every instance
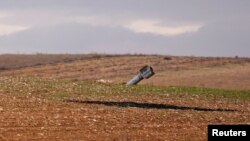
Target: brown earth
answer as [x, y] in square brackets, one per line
[15, 61]
[227, 73]
[122, 117]
[28, 113]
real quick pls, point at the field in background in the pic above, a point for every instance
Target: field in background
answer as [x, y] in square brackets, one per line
[17, 61]
[48, 97]
[227, 73]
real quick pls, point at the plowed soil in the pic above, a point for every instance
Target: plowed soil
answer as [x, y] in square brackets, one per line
[63, 101]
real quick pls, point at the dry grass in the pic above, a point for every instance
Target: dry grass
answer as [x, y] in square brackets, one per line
[15, 61]
[231, 73]
[61, 100]
[43, 109]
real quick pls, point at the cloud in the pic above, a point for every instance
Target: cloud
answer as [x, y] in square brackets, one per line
[2, 15]
[155, 27]
[38, 18]
[9, 23]
[140, 26]
[10, 29]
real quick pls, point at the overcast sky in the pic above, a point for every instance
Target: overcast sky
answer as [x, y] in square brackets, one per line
[168, 27]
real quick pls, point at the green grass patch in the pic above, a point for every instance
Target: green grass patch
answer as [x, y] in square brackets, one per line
[59, 89]
[177, 90]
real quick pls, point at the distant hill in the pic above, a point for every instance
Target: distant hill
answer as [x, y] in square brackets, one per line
[15, 61]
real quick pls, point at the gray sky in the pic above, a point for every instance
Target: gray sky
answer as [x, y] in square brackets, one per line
[169, 27]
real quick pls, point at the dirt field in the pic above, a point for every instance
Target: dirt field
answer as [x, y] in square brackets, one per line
[63, 101]
[15, 61]
[224, 73]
